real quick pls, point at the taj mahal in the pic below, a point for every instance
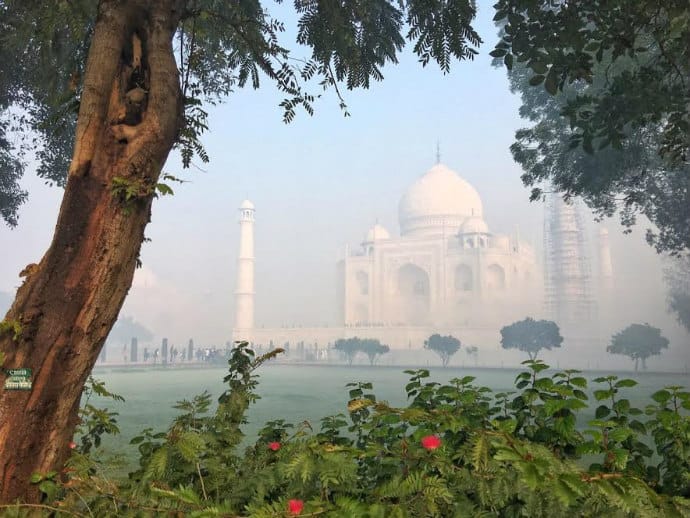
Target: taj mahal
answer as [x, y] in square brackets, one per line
[446, 272]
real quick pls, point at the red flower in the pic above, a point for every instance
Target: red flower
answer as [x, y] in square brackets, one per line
[431, 442]
[275, 446]
[295, 507]
[72, 445]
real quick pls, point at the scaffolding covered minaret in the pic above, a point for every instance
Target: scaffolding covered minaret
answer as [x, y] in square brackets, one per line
[568, 294]
[244, 293]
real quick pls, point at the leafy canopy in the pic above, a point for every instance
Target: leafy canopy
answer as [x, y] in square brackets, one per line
[677, 276]
[220, 46]
[531, 336]
[612, 121]
[444, 346]
[373, 349]
[638, 342]
[646, 44]
[350, 347]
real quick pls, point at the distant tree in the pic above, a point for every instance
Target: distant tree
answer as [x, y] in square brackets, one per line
[349, 347]
[677, 276]
[473, 351]
[638, 342]
[531, 336]
[127, 328]
[444, 346]
[373, 349]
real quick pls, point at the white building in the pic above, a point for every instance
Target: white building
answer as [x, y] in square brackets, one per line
[446, 273]
[446, 270]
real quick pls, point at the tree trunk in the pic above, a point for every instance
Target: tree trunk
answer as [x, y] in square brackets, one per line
[69, 301]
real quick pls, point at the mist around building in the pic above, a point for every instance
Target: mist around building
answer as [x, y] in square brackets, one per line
[443, 271]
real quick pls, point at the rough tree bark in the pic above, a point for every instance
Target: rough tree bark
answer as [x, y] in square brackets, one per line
[129, 118]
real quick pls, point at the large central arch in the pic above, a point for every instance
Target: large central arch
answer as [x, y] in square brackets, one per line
[464, 281]
[496, 278]
[414, 297]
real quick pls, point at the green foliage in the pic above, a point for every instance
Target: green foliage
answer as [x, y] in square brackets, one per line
[616, 432]
[564, 43]
[350, 347]
[610, 122]
[505, 454]
[12, 196]
[531, 336]
[94, 422]
[677, 277]
[221, 46]
[638, 342]
[11, 326]
[671, 433]
[128, 190]
[444, 346]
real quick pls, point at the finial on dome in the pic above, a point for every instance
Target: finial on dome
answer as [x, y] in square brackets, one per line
[438, 152]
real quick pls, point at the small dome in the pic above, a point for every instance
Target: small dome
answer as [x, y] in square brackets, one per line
[438, 202]
[377, 233]
[246, 204]
[474, 226]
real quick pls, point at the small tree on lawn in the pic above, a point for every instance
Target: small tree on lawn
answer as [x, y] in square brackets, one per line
[638, 342]
[373, 349]
[444, 346]
[531, 336]
[349, 347]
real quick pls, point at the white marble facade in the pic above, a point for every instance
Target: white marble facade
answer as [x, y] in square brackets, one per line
[447, 270]
[446, 273]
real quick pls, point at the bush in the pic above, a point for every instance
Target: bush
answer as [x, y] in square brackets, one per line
[456, 450]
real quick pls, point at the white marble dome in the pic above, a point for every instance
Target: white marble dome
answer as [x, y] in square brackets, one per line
[474, 225]
[376, 233]
[246, 204]
[438, 202]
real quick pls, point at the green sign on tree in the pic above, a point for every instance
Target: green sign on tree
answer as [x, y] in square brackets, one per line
[18, 379]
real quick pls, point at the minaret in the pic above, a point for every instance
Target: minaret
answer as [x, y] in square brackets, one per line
[569, 298]
[568, 284]
[244, 294]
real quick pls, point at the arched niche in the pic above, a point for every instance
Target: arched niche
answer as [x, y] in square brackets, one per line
[464, 280]
[414, 295]
[495, 278]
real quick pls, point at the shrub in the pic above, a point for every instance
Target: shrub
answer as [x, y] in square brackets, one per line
[456, 450]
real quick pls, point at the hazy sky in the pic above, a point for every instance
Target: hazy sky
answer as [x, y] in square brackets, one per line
[317, 184]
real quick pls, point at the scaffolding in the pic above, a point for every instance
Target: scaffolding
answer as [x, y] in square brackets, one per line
[568, 295]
